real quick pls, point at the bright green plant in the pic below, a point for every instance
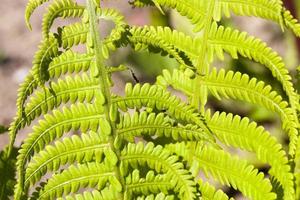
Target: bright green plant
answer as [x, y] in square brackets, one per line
[157, 150]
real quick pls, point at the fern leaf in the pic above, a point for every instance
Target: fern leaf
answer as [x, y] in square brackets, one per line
[48, 50]
[31, 6]
[240, 133]
[71, 89]
[90, 175]
[194, 10]
[144, 123]
[178, 40]
[60, 8]
[265, 9]
[76, 117]
[160, 196]
[71, 35]
[151, 184]
[162, 161]
[155, 97]
[82, 149]
[235, 42]
[177, 79]
[291, 22]
[74, 34]
[25, 90]
[238, 86]
[78, 89]
[208, 192]
[105, 194]
[77, 33]
[69, 62]
[142, 38]
[234, 172]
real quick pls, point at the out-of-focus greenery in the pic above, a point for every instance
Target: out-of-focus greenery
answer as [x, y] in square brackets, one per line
[7, 169]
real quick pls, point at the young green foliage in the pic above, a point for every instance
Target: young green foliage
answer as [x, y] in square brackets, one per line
[88, 144]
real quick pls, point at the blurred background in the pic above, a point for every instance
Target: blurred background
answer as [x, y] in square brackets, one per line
[18, 44]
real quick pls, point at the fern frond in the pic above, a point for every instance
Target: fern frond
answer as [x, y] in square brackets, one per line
[208, 192]
[105, 194]
[70, 35]
[60, 8]
[74, 34]
[162, 161]
[241, 133]
[48, 50]
[265, 9]
[90, 175]
[160, 196]
[194, 10]
[71, 89]
[31, 6]
[240, 87]
[77, 33]
[291, 22]
[78, 89]
[76, 117]
[151, 184]
[178, 80]
[82, 149]
[234, 172]
[69, 62]
[235, 42]
[150, 124]
[178, 40]
[142, 38]
[25, 90]
[155, 97]
[80, 116]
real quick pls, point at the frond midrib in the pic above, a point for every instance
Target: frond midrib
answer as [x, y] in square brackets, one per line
[79, 179]
[96, 116]
[67, 62]
[146, 184]
[123, 131]
[57, 156]
[250, 91]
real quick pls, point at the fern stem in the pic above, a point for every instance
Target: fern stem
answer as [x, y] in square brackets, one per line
[202, 64]
[104, 84]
